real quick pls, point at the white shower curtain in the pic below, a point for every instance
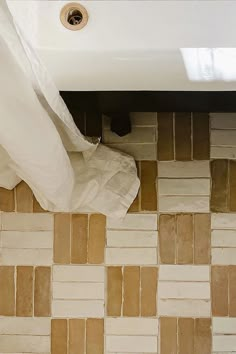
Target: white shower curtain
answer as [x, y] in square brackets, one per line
[40, 143]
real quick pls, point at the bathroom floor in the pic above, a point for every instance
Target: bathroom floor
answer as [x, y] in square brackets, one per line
[163, 280]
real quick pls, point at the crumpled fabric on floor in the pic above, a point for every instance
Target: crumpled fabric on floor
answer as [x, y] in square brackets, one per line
[41, 144]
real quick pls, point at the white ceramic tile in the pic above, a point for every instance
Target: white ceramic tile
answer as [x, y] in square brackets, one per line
[223, 120]
[134, 222]
[11, 256]
[78, 273]
[223, 256]
[184, 308]
[131, 256]
[132, 344]
[223, 137]
[223, 152]
[196, 186]
[82, 291]
[187, 169]
[138, 151]
[131, 326]
[183, 290]
[27, 221]
[223, 238]
[138, 135]
[131, 238]
[191, 204]
[27, 239]
[25, 344]
[25, 326]
[223, 221]
[184, 273]
[78, 308]
[224, 325]
[224, 343]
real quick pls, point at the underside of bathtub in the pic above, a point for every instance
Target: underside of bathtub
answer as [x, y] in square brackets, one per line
[87, 107]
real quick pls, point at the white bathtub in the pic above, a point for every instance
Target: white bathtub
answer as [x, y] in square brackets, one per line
[136, 45]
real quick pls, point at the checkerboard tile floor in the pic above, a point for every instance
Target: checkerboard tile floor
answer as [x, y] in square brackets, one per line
[160, 281]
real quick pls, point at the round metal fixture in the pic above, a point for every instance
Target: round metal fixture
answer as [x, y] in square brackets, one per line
[74, 16]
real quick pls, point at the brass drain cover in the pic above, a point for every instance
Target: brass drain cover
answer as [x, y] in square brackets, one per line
[74, 16]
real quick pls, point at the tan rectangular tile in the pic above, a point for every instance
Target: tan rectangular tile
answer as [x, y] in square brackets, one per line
[232, 185]
[201, 136]
[202, 238]
[7, 200]
[79, 238]
[24, 198]
[42, 292]
[202, 336]
[168, 335]
[219, 291]
[149, 277]
[167, 238]
[185, 239]
[95, 336]
[183, 136]
[96, 242]
[59, 336]
[232, 291]
[131, 291]
[114, 291]
[37, 207]
[148, 185]
[143, 118]
[135, 205]
[76, 336]
[24, 292]
[219, 188]
[7, 292]
[165, 143]
[61, 249]
[186, 336]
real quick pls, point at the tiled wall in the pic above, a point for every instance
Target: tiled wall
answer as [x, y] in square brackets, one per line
[161, 281]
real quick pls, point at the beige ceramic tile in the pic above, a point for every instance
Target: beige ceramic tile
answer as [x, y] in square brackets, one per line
[96, 243]
[24, 292]
[7, 200]
[61, 247]
[95, 336]
[42, 292]
[165, 143]
[79, 238]
[148, 185]
[24, 198]
[131, 306]
[114, 291]
[149, 277]
[7, 293]
[59, 336]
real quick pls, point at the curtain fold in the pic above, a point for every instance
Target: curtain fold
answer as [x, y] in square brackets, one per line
[41, 144]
